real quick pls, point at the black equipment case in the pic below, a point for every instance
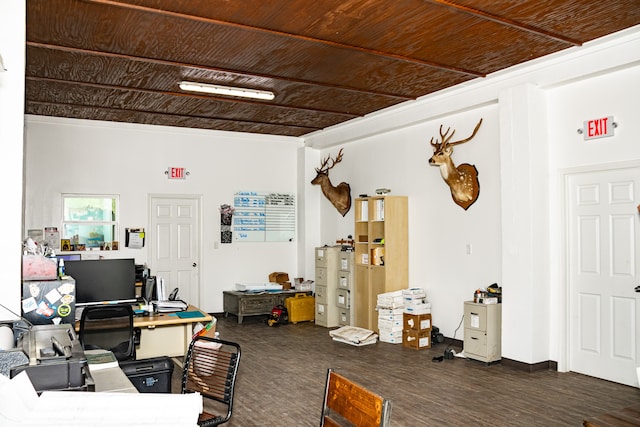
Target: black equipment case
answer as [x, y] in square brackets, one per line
[149, 375]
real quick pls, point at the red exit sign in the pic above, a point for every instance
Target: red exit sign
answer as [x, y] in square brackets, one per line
[598, 128]
[177, 173]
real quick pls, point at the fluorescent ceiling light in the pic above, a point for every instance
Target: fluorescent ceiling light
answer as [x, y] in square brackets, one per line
[227, 90]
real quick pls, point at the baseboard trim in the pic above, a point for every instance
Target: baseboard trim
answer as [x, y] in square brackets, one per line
[548, 365]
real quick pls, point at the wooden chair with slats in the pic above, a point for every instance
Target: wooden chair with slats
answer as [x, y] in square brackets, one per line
[211, 368]
[349, 404]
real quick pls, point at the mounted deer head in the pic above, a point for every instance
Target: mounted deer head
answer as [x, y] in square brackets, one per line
[339, 196]
[463, 179]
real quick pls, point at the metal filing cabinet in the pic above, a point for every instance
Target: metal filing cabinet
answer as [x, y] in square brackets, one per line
[482, 331]
[344, 297]
[326, 286]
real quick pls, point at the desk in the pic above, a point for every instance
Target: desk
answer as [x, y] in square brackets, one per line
[254, 303]
[165, 334]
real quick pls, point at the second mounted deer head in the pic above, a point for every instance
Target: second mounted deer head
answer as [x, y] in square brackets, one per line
[462, 179]
[340, 195]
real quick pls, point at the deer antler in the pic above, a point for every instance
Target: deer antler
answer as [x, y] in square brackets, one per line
[462, 141]
[443, 137]
[323, 166]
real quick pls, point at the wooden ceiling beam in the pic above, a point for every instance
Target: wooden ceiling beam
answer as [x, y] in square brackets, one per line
[222, 119]
[216, 69]
[190, 95]
[290, 35]
[506, 21]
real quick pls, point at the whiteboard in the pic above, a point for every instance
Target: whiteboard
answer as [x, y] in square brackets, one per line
[264, 217]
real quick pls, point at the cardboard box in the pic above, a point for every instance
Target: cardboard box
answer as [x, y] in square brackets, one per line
[388, 324]
[390, 339]
[417, 340]
[417, 322]
[281, 278]
[415, 292]
[390, 311]
[38, 267]
[419, 309]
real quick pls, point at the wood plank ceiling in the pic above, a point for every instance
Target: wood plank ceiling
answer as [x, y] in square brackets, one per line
[327, 61]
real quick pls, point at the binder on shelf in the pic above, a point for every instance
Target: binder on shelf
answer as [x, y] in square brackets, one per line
[379, 216]
[364, 210]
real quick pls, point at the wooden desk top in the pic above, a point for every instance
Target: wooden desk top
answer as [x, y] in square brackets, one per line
[166, 319]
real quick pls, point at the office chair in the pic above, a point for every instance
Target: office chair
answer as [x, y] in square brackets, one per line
[347, 403]
[211, 368]
[109, 327]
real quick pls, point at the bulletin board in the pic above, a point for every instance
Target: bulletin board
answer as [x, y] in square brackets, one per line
[264, 217]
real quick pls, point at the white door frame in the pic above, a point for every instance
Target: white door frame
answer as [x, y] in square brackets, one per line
[199, 243]
[563, 273]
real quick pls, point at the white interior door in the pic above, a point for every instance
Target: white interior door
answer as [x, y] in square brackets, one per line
[603, 268]
[175, 244]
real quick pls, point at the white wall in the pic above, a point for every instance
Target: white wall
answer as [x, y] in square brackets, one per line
[12, 49]
[612, 94]
[531, 114]
[80, 156]
[527, 140]
[439, 230]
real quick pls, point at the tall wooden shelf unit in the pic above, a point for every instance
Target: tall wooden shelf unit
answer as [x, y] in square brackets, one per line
[381, 253]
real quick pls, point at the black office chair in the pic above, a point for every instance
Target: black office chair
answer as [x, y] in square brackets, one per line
[109, 327]
[210, 368]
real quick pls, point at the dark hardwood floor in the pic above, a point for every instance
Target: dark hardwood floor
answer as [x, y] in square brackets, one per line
[283, 368]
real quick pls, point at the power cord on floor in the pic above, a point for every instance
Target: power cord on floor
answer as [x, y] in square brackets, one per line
[448, 352]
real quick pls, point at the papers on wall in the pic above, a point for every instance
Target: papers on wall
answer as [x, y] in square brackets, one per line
[52, 237]
[264, 217]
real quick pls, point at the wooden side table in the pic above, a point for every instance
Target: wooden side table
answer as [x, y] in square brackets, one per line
[254, 303]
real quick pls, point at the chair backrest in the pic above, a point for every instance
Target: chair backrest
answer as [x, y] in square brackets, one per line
[109, 327]
[211, 368]
[348, 403]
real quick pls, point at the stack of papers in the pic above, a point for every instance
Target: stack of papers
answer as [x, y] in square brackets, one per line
[101, 359]
[169, 306]
[257, 287]
[354, 335]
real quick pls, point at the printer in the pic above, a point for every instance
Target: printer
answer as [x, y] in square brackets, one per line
[56, 359]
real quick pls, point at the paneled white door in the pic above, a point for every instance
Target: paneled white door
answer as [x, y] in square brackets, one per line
[604, 315]
[175, 244]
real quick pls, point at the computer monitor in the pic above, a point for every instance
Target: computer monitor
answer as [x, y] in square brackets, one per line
[69, 257]
[104, 280]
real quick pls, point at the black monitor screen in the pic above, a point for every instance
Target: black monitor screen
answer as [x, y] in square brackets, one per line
[105, 280]
[69, 257]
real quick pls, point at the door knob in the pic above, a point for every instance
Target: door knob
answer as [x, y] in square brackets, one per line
[195, 265]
